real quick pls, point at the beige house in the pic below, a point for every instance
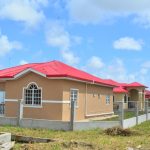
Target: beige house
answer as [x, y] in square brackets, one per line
[45, 91]
[130, 94]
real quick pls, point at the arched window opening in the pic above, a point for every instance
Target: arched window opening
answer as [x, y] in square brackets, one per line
[32, 95]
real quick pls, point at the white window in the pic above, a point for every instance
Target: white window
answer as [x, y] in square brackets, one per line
[32, 95]
[2, 96]
[74, 96]
[107, 99]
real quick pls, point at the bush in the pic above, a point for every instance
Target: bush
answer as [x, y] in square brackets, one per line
[118, 131]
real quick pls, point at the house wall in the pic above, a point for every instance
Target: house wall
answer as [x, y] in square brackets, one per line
[51, 91]
[2, 86]
[120, 97]
[88, 104]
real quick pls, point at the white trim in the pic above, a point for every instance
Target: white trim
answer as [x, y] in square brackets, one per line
[56, 101]
[43, 101]
[11, 100]
[90, 115]
[28, 70]
[33, 106]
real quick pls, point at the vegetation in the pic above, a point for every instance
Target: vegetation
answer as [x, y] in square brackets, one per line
[83, 140]
[118, 131]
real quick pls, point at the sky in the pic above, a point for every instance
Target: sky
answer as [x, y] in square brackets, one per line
[110, 39]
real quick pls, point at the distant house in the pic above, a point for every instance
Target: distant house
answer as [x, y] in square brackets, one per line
[129, 93]
[147, 95]
[45, 91]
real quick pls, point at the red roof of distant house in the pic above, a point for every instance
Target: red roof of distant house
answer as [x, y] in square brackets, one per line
[135, 84]
[119, 90]
[147, 94]
[54, 69]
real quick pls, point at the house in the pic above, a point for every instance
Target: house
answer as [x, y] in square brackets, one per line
[129, 94]
[45, 91]
[147, 95]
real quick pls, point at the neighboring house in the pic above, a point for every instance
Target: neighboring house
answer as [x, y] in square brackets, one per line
[147, 95]
[45, 90]
[129, 94]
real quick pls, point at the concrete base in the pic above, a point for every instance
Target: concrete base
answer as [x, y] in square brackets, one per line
[95, 124]
[131, 122]
[5, 138]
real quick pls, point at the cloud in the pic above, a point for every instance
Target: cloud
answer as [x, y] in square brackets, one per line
[6, 46]
[117, 70]
[95, 62]
[57, 36]
[96, 11]
[146, 64]
[69, 57]
[23, 62]
[27, 11]
[128, 43]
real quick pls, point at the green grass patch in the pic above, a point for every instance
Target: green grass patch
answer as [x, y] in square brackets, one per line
[90, 139]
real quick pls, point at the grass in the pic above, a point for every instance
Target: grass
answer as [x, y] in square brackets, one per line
[82, 140]
[127, 115]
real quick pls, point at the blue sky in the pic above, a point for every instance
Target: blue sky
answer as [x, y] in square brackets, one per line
[107, 38]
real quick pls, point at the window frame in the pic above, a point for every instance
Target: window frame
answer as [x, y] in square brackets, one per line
[24, 98]
[4, 95]
[76, 103]
[107, 98]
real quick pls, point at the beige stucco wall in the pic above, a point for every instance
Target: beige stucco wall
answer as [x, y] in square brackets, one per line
[2, 86]
[119, 96]
[11, 109]
[47, 111]
[87, 104]
[96, 104]
[51, 90]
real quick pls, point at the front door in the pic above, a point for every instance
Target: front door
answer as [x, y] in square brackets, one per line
[2, 104]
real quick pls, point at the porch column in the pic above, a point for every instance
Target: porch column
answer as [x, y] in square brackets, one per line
[141, 105]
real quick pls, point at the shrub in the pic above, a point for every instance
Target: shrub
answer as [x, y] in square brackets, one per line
[118, 131]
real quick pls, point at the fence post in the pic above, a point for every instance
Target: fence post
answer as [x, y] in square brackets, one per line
[20, 112]
[137, 112]
[121, 113]
[146, 109]
[72, 118]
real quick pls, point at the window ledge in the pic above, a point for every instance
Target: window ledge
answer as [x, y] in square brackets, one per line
[33, 106]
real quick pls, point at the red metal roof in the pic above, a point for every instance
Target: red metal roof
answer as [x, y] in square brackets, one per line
[54, 69]
[135, 84]
[113, 82]
[119, 90]
[147, 94]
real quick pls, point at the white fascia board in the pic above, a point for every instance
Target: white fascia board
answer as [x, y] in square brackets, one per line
[28, 70]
